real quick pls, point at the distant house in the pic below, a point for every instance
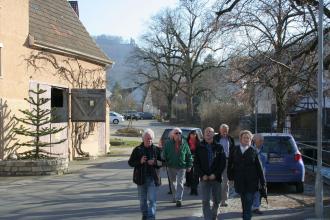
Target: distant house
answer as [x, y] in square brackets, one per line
[148, 105]
[51, 29]
[304, 118]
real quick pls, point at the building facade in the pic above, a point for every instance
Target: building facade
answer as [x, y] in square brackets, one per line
[43, 42]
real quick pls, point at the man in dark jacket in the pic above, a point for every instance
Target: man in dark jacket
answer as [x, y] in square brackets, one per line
[227, 143]
[210, 161]
[244, 167]
[146, 160]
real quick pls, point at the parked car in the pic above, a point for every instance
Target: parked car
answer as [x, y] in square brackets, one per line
[283, 160]
[185, 132]
[131, 114]
[115, 117]
[146, 115]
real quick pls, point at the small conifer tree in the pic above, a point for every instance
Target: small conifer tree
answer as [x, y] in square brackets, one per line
[35, 124]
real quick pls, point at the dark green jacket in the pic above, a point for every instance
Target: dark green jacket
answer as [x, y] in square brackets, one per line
[182, 159]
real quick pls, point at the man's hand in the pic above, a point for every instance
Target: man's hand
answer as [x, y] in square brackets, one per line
[212, 177]
[151, 162]
[143, 159]
[188, 170]
[205, 178]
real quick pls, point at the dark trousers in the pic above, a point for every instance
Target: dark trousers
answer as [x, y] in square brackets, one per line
[247, 201]
[192, 179]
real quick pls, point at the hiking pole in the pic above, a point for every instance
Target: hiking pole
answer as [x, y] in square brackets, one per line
[169, 181]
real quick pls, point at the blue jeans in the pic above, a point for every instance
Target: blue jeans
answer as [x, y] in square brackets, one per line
[256, 201]
[210, 188]
[148, 192]
[247, 200]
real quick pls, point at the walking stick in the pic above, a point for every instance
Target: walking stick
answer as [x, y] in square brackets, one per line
[169, 181]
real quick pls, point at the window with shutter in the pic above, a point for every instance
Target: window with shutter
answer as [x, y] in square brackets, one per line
[88, 105]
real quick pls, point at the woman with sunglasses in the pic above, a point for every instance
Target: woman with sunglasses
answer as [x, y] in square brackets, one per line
[178, 158]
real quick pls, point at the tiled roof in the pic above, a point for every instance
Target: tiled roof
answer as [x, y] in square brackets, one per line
[54, 25]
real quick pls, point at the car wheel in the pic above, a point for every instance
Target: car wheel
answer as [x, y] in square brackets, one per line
[115, 121]
[300, 187]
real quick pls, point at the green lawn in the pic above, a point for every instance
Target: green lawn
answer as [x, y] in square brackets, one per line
[118, 142]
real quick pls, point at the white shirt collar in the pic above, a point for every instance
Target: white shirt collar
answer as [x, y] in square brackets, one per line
[243, 148]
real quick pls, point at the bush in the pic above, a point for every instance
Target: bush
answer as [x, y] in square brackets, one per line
[215, 114]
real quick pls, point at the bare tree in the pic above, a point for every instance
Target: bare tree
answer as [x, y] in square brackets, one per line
[72, 71]
[197, 34]
[157, 59]
[274, 32]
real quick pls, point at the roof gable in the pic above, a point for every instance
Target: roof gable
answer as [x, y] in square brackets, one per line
[55, 26]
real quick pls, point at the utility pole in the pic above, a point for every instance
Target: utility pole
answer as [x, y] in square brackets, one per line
[319, 181]
[256, 110]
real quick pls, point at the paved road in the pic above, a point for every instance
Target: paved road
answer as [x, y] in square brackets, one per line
[157, 127]
[103, 189]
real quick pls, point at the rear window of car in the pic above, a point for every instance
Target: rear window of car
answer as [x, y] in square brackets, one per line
[166, 133]
[185, 133]
[278, 145]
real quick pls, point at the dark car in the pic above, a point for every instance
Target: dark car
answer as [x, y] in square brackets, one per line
[146, 115]
[185, 132]
[283, 161]
[131, 114]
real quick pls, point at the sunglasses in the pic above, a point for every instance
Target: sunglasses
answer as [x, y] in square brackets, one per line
[177, 133]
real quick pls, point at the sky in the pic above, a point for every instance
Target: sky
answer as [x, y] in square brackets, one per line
[126, 18]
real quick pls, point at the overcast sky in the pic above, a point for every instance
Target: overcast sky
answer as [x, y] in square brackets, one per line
[126, 18]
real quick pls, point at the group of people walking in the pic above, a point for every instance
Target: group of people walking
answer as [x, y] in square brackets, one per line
[211, 162]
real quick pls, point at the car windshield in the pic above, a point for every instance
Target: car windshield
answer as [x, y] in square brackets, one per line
[278, 145]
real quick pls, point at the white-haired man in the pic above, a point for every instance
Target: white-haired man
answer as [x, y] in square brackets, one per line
[146, 160]
[227, 143]
[178, 160]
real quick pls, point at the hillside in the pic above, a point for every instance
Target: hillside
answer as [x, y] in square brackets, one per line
[118, 50]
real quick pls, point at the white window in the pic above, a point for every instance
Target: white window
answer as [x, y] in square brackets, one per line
[1, 64]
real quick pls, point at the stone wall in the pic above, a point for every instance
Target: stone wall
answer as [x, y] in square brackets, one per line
[33, 167]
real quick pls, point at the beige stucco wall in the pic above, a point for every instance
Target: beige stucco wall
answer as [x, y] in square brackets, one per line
[14, 84]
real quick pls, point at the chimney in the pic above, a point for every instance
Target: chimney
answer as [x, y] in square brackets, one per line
[74, 5]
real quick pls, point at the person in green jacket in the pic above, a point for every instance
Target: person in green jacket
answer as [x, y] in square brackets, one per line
[178, 158]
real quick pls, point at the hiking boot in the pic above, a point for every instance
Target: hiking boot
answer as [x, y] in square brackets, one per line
[257, 211]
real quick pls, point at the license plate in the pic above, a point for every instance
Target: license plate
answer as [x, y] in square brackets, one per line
[275, 160]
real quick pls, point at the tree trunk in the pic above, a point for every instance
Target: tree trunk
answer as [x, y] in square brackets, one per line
[190, 103]
[170, 106]
[280, 114]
